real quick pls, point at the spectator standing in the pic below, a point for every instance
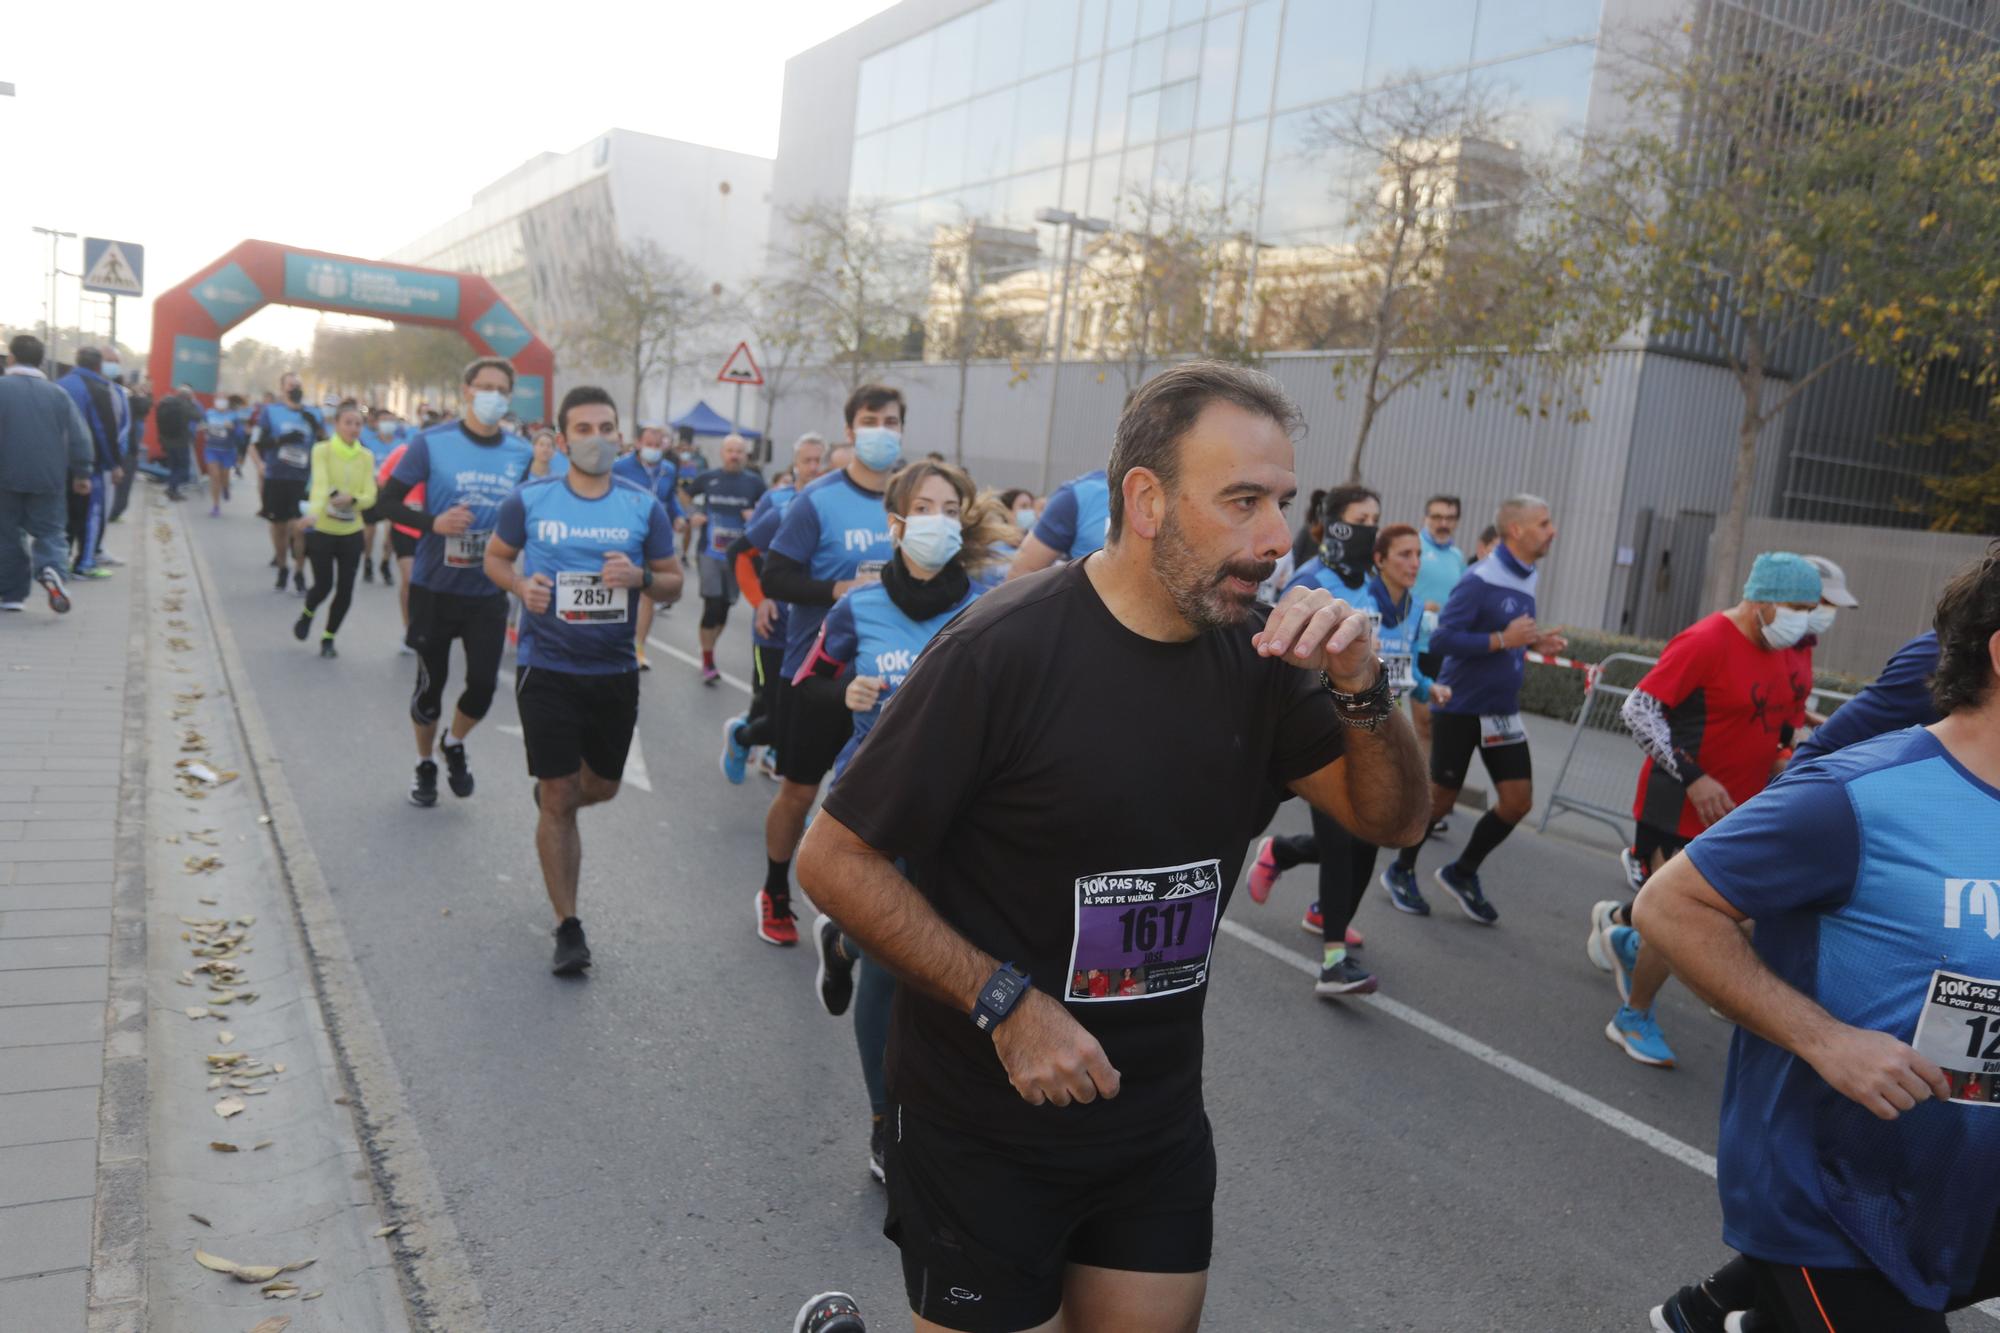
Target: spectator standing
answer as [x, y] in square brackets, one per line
[177, 417]
[45, 449]
[96, 398]
[139, 402]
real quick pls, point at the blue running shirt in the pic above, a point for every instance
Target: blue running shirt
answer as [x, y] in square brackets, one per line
[588, 626]
[288, 436]
[763, 526]
[867, 632]
[836, 530]
[1874, 877]
[459, 470]
[1074, 520]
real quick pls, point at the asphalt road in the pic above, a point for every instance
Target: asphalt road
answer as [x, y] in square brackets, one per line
[680, 1141]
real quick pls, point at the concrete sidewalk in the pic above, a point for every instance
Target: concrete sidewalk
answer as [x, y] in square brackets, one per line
[71, 1058]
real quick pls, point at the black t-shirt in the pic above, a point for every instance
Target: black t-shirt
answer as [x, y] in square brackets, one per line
[1077, 799]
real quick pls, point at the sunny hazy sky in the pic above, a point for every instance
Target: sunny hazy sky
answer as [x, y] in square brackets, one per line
[353, 127]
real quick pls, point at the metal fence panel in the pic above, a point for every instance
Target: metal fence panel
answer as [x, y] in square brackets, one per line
[1600, 769]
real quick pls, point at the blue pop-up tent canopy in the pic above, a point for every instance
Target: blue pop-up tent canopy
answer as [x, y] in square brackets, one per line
[705, 420]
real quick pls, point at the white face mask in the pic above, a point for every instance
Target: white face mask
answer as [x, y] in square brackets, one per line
[650, 456]
[1787, 628]
[1820, 619]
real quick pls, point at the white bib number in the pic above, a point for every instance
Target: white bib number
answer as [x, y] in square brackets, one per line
[1496, 729]
[584, 598]
[294, 455]
[465, 550]
[1959, 1031]
[1400, 679]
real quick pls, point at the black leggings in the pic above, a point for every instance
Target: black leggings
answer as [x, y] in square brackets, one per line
[1813, 1300]
[759, 729]
[1346, 867]
[333, 562]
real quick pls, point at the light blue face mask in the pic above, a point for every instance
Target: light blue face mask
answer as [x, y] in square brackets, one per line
[489, 405]
[113, 371]
[931, 540]
[877, 448]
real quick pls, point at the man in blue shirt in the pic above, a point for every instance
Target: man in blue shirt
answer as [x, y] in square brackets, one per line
[646, 467]
[1071, 526]
[467, 467]
[48, 451]
[1442, 567]
[720, 501]
[1483, 634]
[591, 548]
[1899, 697]
[1861, 1114]
[283, 434]
[834, 538]
[97, 398]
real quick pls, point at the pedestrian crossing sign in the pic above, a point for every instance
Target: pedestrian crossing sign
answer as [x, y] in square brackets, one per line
[116, 268]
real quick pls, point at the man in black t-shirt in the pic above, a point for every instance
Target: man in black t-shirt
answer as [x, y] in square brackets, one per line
[1073, 772]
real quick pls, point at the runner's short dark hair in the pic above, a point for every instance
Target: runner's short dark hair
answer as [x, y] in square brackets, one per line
[1337, 498]
[26, 350]
[1451, 500]
[1165, 408]
[1967, 618]
[479, 363]
[583, 395]
[874, 397]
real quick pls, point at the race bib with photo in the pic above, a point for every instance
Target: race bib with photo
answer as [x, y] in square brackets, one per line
[1144, 933]
[1959, 1031]
[1398, 665]
[1497, 729]
[294, 455]
[584, 598]
[465, 550]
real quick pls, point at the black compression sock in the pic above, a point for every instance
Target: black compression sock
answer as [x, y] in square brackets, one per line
[1488, 833]
[1406, 860]
[778, 878]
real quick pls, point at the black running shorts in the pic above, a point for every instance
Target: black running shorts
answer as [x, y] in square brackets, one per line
[569, 720]
[402, 543]
[1455, 738]
[811, 732]
[281, 499]
[987, 1228]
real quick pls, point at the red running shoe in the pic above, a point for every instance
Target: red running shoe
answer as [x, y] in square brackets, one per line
[1312, 923]
[1264, 873]
[775, 922]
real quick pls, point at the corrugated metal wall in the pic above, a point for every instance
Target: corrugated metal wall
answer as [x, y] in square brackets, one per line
[1424, 442]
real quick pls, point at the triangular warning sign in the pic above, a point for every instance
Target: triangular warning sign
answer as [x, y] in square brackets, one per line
[112, 273]
[740, 368]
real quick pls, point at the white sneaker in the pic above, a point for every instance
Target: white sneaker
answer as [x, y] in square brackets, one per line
[13, 606]
[1598, 944]
[1635, 869]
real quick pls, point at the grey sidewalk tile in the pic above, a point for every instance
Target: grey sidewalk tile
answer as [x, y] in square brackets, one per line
[51, 1024]
[46, 1302]
[90, 808]
[16, 925]
[55, 951]
[68, 763]
[10, 829]
[60, 872]
[97, 847]
[60, 828]
[77, 1064]
[54, 985]
[29, 897]
[47, 1117]
[43, 1238]
[45, 1171]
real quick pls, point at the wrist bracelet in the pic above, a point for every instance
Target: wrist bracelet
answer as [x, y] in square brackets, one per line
[1367, 709]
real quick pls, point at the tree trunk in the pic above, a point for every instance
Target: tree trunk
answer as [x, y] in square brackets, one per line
[1370, 405]
[1726, 557]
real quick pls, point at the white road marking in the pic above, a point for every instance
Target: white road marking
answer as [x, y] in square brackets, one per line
[1610, 1116]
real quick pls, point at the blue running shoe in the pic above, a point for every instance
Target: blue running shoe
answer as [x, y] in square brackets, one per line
[1471, 898]
[735, 754]
[1402, 887]
[1637, 1033]
[1624, 957]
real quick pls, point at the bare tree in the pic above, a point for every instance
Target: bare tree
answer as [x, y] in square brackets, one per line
[856, 280]
[787, 340]
[645, 309]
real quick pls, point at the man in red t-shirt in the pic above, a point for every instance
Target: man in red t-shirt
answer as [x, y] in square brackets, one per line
[1712, 716]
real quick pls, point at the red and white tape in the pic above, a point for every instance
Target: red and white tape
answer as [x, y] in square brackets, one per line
[1590, 670]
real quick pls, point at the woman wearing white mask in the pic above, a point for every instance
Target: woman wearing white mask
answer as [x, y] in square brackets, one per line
[1714, 716]
[944, 542]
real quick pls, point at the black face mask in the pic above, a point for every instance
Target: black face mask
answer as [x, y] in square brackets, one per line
[1348, 550]
[296, 395]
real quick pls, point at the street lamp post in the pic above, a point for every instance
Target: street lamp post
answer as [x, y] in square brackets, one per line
[1061, 218]
[55, 273]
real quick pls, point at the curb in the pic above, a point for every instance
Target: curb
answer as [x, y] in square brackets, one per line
[437, 1279]
[117, 1291]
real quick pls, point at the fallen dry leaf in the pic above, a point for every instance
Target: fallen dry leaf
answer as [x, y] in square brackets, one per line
[219, 1146]
[196, 1011]
[208, 902]
[230, 1106]
[265, 1144]
[277, 1323]
[225, 1037]
[210, 1261]
[389, 1230]
[312, 1295]
[281, 1290]
[341, 1101]
[199, 1218]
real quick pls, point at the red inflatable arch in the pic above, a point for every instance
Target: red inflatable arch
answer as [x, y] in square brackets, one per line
[189, 320]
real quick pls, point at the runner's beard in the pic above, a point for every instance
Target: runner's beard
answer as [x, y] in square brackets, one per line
[1200, 591]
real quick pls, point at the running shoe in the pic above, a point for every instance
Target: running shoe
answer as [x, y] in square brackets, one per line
[1345, 977]
[282, 580]
[735, 754]
[1401, 886]
[13, 604]
[836, 969]
[1264, 871]
[1624, 942]
[709, 675]
[1312, 923]
[404, 650]
[1465, 887]
[1635, 869]
[767, 763]
[1637, 1033]
[459, 773]
[93, 573]
[1598, 944]
[367, 572]
[1440, 827]
[572, 953]
[878, 1143]
[108, 560]
[1689, 1310]
[388, 574]
[326, 648]
[302, 626]
[52, 583]
[424, 791]
[299, 582]
[215, 511]
[829, 1312]
[1747, 1321]
[775, 922]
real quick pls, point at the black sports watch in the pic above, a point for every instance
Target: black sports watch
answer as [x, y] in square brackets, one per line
[646, 577]
[1368, 709]
[997, 998]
